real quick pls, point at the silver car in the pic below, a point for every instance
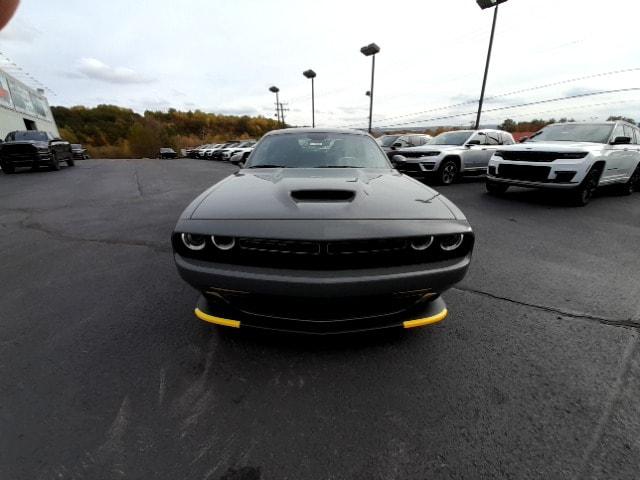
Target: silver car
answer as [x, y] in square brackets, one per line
[451, 154]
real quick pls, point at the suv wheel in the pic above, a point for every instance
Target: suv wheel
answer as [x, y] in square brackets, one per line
[582, 195]
[55, 163]
[448, 172]
[70, 162]
[633, 184]
[495, 188]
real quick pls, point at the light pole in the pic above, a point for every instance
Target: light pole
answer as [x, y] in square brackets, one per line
[311, 74]
[483, 4]
[275, 90]
[370, 51]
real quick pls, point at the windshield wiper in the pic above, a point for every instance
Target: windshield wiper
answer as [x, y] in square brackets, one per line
[337, 166]
[267, 166]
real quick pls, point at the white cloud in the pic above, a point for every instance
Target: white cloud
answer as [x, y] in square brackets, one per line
[96, 70]
[21, 31]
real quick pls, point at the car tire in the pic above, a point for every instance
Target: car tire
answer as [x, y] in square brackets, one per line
[70, 162]
[581, 196]
[448, 172]
[495, 188]
[8, 169]
[633, 184]
[55, 163]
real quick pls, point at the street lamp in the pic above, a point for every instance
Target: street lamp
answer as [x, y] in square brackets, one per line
[275, 90]
[370, 51]
[311, 74]
[484, 4]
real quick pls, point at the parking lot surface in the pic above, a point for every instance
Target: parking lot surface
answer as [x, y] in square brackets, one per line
[106, 373]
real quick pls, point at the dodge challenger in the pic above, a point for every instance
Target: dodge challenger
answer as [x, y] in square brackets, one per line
[317, 233]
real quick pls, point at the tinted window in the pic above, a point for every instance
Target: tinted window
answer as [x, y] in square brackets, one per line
[618, 132]
[628, 132]
[480, 137]
[574, 132]
[451, 138]
[318, 150]
[494, 138]
[30, 135]
[387, 140]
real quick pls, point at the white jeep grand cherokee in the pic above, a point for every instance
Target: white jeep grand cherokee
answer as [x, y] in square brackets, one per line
[577, 157]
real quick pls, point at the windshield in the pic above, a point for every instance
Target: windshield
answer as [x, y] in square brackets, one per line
[387, 140]
[31, 135]
[76, 146]
[318, 150]
[572, 132]
[451, 138]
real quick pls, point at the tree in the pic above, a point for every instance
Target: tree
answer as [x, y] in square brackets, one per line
[614, 118]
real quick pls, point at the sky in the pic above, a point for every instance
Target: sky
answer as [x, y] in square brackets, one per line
[223, 55]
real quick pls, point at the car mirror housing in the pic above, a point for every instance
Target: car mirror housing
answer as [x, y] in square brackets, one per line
[396, 159]
[471, 143]
[621, 141]
[237, 160]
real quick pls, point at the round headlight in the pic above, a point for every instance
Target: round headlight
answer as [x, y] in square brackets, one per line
[192, 241]
[449, 243]
[422, 243]
[223, 243]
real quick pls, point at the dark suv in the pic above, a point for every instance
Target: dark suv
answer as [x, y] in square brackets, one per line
[33, 149]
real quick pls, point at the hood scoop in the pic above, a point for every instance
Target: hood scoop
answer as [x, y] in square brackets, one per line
[323, 195]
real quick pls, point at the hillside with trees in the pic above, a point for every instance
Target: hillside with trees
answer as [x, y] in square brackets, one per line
[109, 131]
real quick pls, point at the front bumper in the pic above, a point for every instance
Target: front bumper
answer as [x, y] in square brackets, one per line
[218, 313]
[322, 301]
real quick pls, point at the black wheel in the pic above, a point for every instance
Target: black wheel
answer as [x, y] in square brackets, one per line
[633, 184]
[70, 162]
[448, 172]
[582, 195]
[495, 188]
[55, 163]
[8, 168]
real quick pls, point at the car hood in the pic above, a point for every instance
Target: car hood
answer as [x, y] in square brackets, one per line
[326, 194]
[553, 146]
[35, 143]
[430, 148]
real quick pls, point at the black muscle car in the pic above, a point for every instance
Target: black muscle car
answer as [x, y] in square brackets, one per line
[33, 149]
[319, 234]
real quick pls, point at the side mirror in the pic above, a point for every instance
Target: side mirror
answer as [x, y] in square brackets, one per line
[621, 141]
[397, 145]
[396, 159]
[237, 160]
[471, 143]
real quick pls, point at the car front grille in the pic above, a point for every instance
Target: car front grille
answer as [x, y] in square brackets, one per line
[534, 156]
[314, 309]
[528, 173]
[409, 167]
[325, 255]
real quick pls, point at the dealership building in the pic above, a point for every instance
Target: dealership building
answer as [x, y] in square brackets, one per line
[23, 108]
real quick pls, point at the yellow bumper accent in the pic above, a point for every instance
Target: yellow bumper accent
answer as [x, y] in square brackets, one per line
[421, 322]
[217, 320]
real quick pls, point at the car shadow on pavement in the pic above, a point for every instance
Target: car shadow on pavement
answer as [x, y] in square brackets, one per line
[549, 198]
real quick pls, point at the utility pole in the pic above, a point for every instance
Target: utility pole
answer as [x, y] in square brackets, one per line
[282, 110]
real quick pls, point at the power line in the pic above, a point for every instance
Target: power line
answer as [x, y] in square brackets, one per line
[539, 102]
[502, 95]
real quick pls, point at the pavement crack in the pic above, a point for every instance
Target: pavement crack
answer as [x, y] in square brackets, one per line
[138, 182]
[610, 402]
[614, 322]
[157, 247]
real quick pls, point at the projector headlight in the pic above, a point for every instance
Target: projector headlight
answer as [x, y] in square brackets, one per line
[449, 243]
[193, 242]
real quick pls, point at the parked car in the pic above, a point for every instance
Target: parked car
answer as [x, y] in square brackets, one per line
[214, 148]
[200, 152]
[32, 148]
[319, 234]
[242, 147]
[393, 142]
[217, 154]
[576, 157]
[167, 153]
[451, 154]
[192, 152]
[79, 152]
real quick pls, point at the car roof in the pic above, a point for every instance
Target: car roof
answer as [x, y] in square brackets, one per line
[286, 131]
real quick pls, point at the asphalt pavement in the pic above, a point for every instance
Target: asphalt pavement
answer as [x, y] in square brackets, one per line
[105, 373]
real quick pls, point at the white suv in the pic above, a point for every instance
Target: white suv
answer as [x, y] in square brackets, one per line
[577, 157]
[451, 154]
